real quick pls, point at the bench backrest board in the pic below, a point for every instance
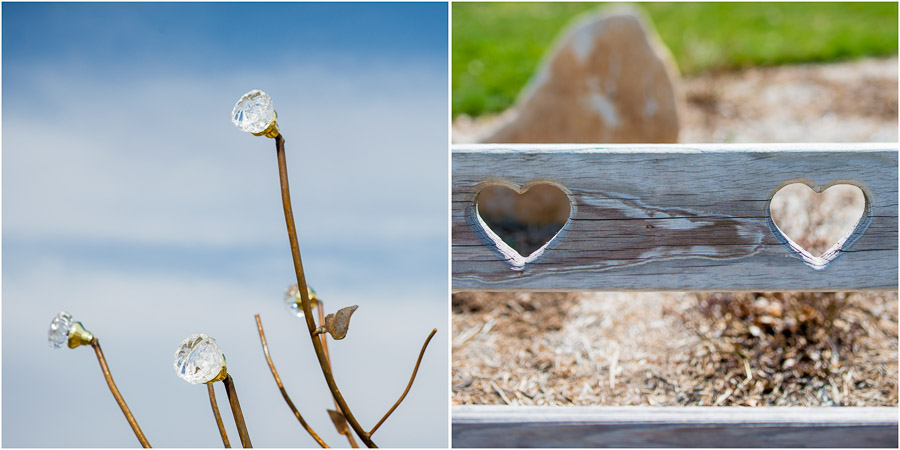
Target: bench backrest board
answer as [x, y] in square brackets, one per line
[675, 217]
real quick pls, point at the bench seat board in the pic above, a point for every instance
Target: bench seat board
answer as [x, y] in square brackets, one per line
[651, 426]
[674, 217]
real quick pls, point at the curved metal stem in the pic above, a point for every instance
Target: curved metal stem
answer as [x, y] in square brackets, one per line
[236, 411]
[321, 309]
[215, 409]
[408, 385]
[115, 392]
[304, 296]
[287, 398]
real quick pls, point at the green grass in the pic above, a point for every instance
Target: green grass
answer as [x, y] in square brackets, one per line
[497, 46]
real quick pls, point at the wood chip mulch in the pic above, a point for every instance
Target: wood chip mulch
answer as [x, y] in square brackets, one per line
[618, 349]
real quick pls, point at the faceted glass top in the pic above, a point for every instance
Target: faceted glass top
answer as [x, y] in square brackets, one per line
[198, 359]
[254, 112]
[59, 330]
[292, 301]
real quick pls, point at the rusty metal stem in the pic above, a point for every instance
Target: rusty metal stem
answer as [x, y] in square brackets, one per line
[408, 385]
[215, 408]
[236, 411]
[324, 337]
[115, 392]
[287, 398]
[304, 296]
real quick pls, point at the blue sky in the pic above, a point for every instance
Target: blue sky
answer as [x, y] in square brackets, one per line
[129, 35]
[131, 201]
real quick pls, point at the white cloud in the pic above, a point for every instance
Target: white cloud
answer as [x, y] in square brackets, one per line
[141, 319]
[157, 161]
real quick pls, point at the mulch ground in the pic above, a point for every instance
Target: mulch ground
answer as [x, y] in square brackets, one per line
[620, 349]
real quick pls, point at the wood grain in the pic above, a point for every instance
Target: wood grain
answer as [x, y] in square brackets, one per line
[647, 426]
[675, 217]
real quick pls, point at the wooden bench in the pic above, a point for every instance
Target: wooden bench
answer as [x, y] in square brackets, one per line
[682, 218]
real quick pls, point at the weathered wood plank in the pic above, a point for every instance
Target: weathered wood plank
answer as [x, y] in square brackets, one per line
[574, 426]
[674, 217]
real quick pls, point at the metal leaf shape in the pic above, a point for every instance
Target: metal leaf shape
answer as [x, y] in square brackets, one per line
[338, 324]
[340, 422]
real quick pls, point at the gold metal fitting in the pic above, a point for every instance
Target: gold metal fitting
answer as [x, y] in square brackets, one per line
[79, 336]
[222, 373]
[272, 130]
[312, 294]
[313, 297]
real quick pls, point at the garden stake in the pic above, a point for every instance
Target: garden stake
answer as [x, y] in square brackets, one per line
[409, 385]
[215, 409]
[255, 114]
[345, 432]
[200, 360]
[95, 343]
[287, 398]
[304, 296]
[236, 411]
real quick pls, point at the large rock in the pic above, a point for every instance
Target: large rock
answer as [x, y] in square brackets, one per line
[608, 80]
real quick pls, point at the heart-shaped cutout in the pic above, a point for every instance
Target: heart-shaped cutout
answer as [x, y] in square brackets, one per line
[522, 220]
[817, 222]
